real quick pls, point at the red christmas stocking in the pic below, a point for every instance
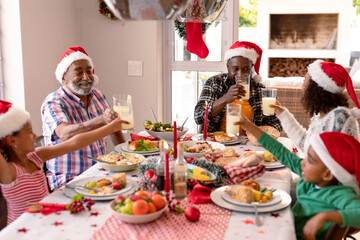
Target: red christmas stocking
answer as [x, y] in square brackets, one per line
[195, 42]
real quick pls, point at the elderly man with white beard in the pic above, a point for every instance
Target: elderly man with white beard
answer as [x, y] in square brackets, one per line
[74, 108]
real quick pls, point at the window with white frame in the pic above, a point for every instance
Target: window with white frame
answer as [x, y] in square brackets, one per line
[185, 73]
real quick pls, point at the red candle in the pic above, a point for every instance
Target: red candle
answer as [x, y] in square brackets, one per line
[175, 140]
[205, 121]
[167, 174]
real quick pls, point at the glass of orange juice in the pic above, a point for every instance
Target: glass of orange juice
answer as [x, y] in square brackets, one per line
[122, 105]
[268, 97]
[233, 113]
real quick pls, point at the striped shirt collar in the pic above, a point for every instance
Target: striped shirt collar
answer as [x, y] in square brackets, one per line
[75, 97]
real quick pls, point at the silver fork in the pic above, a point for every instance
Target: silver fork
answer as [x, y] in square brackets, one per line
[257, 218]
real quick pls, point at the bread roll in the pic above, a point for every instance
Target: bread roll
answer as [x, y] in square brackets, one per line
[223, 137]
[252, 184]
[119, 177]
[229, 152]
[133, 146]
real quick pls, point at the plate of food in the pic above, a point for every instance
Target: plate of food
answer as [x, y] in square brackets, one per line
[121, 162]
[201, 174]
[244, 196]
[217, 197]
[220, 137]
[270, 161]
[163, 131]
[94, 187]
[199, 149]
[143, 147]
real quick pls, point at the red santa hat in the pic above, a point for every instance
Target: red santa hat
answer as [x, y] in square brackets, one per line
[71, 55]
[247, 50]
[333, 78]
[340, 153]
[12, 118]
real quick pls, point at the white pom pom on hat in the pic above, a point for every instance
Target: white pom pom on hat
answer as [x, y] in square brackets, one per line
[12, 118]
[71, 55]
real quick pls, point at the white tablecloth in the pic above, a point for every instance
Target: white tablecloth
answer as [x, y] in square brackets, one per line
[64, 225]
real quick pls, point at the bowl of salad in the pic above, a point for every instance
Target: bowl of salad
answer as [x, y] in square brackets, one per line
[163, 131]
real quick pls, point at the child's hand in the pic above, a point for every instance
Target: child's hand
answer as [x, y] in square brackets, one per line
[313, 225]
[278, 108]
[109, 115]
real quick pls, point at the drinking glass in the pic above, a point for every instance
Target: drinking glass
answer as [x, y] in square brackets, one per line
[122, 105]
[233, 113]
[245, 81]
[268, 97]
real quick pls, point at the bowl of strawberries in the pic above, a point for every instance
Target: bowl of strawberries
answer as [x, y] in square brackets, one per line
[140, 207]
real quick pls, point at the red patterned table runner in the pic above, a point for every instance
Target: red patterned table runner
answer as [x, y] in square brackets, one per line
[212, 225]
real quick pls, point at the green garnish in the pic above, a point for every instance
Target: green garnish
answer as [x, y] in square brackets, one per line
[143, 146]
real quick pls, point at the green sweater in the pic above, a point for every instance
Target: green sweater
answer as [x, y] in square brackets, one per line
[311, 199]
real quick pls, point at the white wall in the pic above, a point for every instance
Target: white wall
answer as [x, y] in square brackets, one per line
[47, 28]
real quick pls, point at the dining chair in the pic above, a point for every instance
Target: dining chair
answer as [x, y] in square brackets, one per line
[3, 211]
[336, 232]
[39, 142]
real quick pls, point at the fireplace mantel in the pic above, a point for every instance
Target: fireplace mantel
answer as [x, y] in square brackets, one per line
[338, 51]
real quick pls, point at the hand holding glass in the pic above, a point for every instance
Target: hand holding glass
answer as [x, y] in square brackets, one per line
[233, 113]
[122, 105]
[244, 81]
[268, 98]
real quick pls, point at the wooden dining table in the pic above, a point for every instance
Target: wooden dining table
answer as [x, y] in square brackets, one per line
[97, 223]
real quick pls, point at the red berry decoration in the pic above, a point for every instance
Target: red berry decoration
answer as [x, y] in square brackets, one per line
[192, 214]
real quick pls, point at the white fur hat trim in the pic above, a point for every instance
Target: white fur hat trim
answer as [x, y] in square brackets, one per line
[322, 79]
[250, 54]
[65, 63]
[335, 168]
[13, 120]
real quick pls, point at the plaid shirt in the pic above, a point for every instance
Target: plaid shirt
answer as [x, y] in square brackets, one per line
[216, 87]
[62, 106]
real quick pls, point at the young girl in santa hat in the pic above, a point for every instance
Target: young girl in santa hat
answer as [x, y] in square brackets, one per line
[328, 189]
[324, 99]
[22, 179]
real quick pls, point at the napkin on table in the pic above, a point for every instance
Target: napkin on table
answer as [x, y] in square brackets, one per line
[239, 174]
[200, 194]
[49, 208]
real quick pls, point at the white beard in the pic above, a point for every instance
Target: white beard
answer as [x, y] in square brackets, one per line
[81, 91]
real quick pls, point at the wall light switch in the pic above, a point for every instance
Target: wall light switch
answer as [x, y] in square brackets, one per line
[135, 68]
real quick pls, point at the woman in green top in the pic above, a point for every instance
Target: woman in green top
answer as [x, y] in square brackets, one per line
[328, 190]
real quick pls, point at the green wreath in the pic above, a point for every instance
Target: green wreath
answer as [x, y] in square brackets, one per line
[104, 10]
[181, 29]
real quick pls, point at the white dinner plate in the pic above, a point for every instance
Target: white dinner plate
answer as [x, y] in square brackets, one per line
[214, 145]
[69, 192]
[124, 147]
[274, 200]
[216, 197]
[234, 140]
[273, 164]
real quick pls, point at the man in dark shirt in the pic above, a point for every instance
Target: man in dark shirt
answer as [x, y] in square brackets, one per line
[222, 89]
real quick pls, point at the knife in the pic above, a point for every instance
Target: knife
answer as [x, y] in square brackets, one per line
[98, 160]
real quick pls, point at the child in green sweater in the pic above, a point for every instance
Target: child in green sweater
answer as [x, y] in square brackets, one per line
[328, 190]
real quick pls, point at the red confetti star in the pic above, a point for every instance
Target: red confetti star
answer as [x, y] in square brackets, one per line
[58, 213]
[248, 221]
[275, 215]
[260, 232]
[134, 175]
[295, 150]
[102, 169]
[24, 230]
[94, 214]
[57, 223]
[247, 150]
[93, 225]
